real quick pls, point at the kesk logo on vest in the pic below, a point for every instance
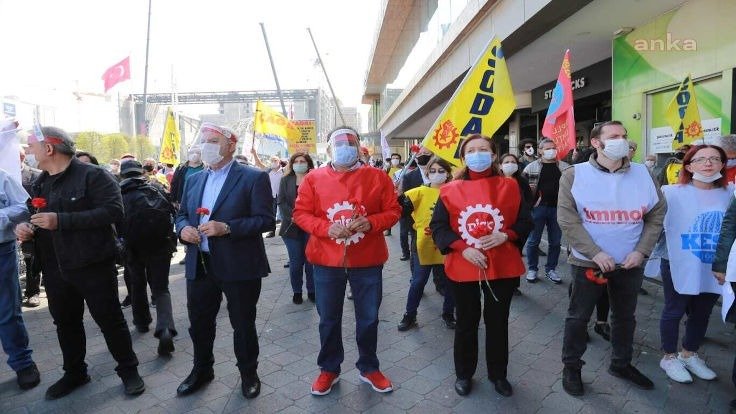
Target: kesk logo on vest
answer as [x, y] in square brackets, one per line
[478, 221]
[702, 237]
[614, 216]
[344, 213]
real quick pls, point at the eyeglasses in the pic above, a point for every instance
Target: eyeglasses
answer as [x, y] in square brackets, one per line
[702, 160]
[434, 171]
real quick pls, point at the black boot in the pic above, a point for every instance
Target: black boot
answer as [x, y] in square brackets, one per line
[572, 381]
[449, 320]
[407, 322]
[28, 377]
[165, 343]
[297, 299]
[132, 382]
[65, 386]
[633, 375]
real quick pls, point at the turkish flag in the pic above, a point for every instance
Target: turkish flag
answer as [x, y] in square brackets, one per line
[117, 73]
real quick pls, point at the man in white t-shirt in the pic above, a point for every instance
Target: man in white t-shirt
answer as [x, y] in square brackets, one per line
[275, 172]
[611, 212]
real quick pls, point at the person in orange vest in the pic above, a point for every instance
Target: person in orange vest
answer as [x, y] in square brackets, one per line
[479, 222]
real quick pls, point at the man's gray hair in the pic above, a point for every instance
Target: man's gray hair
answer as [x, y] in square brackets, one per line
[728, 143]
[545, 141]
[66, 146]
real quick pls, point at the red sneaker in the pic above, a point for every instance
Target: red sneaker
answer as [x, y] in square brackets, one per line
[323, 384]
[378, 381]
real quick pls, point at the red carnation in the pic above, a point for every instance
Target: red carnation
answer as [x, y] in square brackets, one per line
[38, 203]
[203, 211]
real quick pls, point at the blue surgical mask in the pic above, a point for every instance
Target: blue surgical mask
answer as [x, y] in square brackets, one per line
[299, 168]
[345, 156]
[478, 161]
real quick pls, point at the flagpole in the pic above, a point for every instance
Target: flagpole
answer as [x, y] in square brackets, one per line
[319, 58]
[273, 69]
[145, 75]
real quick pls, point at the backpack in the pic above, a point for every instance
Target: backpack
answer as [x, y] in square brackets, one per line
[149, 219]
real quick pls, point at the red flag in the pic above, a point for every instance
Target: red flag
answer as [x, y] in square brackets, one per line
[117, 73]
[559, 125]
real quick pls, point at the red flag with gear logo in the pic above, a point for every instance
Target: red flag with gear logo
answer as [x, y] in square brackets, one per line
[117, 73]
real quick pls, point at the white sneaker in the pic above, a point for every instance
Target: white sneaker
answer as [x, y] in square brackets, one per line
[697, 366]
[675, 370]
[552, 276]
[531, 276]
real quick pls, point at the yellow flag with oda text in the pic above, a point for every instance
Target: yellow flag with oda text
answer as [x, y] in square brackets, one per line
[170, 141]
[480, 105]
[683, 115]
[273, 125]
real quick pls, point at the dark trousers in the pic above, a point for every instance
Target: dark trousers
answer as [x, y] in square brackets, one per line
[601, 307]
[204, 295]
[126, 279]
[33, 277]
[496, 318]
[98, 286]
[153, 269]
[299, 267]
[623, 290]
[404, 228]
[419, 278]
[698, 308]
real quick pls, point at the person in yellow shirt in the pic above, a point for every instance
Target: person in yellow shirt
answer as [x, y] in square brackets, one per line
[421, 201]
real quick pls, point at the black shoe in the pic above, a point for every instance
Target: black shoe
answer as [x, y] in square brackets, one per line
[503, 387]
[126, 302]
[142, 328]
[195, 381]
[643, 292]
[165, 343]
[404, 258]
[572, 381]
[65, 386]
[297, 299]
[310, 296]
[449, 320]
[286, 266]
[251, 386]
[604, 330]
[517, 292]
[270, 234]
[407, 322]
[463, 386]
[28, 377]
[630, 373]
[133, 383]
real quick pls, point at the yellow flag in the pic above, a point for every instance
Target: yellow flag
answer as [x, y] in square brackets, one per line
[170, 141]
[683, 115]
[480, 105]
[273, 125]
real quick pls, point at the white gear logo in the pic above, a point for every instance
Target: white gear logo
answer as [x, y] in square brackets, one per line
[333, 216]
[469, 211]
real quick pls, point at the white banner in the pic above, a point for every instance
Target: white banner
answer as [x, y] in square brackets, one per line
[660, 139]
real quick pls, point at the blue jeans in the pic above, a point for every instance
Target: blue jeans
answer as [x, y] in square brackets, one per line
[13, 334]
[697, 307]
[296, 248]
[367, 286]
[544, 216]
[419, 278]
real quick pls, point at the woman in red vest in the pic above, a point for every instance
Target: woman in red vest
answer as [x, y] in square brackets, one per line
[478, 223]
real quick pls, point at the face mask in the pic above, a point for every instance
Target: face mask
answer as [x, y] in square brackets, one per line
[275, 165]
[615, 149]
[194, 157]
[478, 161]
[148, 168]
[211, 153]
[705, 179]
[649, 163]
[344, 156]
[549, 154]
[509, 168]
[529, 151]
[299, 168]
[423, 159]
[731, 162]
[437, 178]
[394, 162]
[31, 160]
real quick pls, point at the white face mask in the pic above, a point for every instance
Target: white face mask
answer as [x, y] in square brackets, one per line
[211, 153]
[437, 178]
[31, 160]
[705, 179]
[529, 151]
[649, 163]
[549, 154]
[615, 149]
[395, 162]
[509, 168]
[194, 157]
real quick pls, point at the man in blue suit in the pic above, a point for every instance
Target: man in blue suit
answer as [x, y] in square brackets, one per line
[224, 210]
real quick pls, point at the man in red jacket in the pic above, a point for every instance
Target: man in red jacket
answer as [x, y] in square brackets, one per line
[345, 209]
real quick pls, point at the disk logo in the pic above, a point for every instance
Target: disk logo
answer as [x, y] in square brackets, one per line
[701, 238]
[614, 216]
[445, 135]
[344, 213]
[478, 221]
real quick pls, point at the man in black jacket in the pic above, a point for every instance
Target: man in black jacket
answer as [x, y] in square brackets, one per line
[76, 248]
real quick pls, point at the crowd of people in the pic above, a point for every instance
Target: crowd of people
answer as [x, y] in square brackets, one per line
[469, 227]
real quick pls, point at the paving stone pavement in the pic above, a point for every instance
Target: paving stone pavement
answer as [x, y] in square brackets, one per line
[419, 362]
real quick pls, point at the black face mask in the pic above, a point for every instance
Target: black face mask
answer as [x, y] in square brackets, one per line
[680, 155]
[148, 168]
[423, 159]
